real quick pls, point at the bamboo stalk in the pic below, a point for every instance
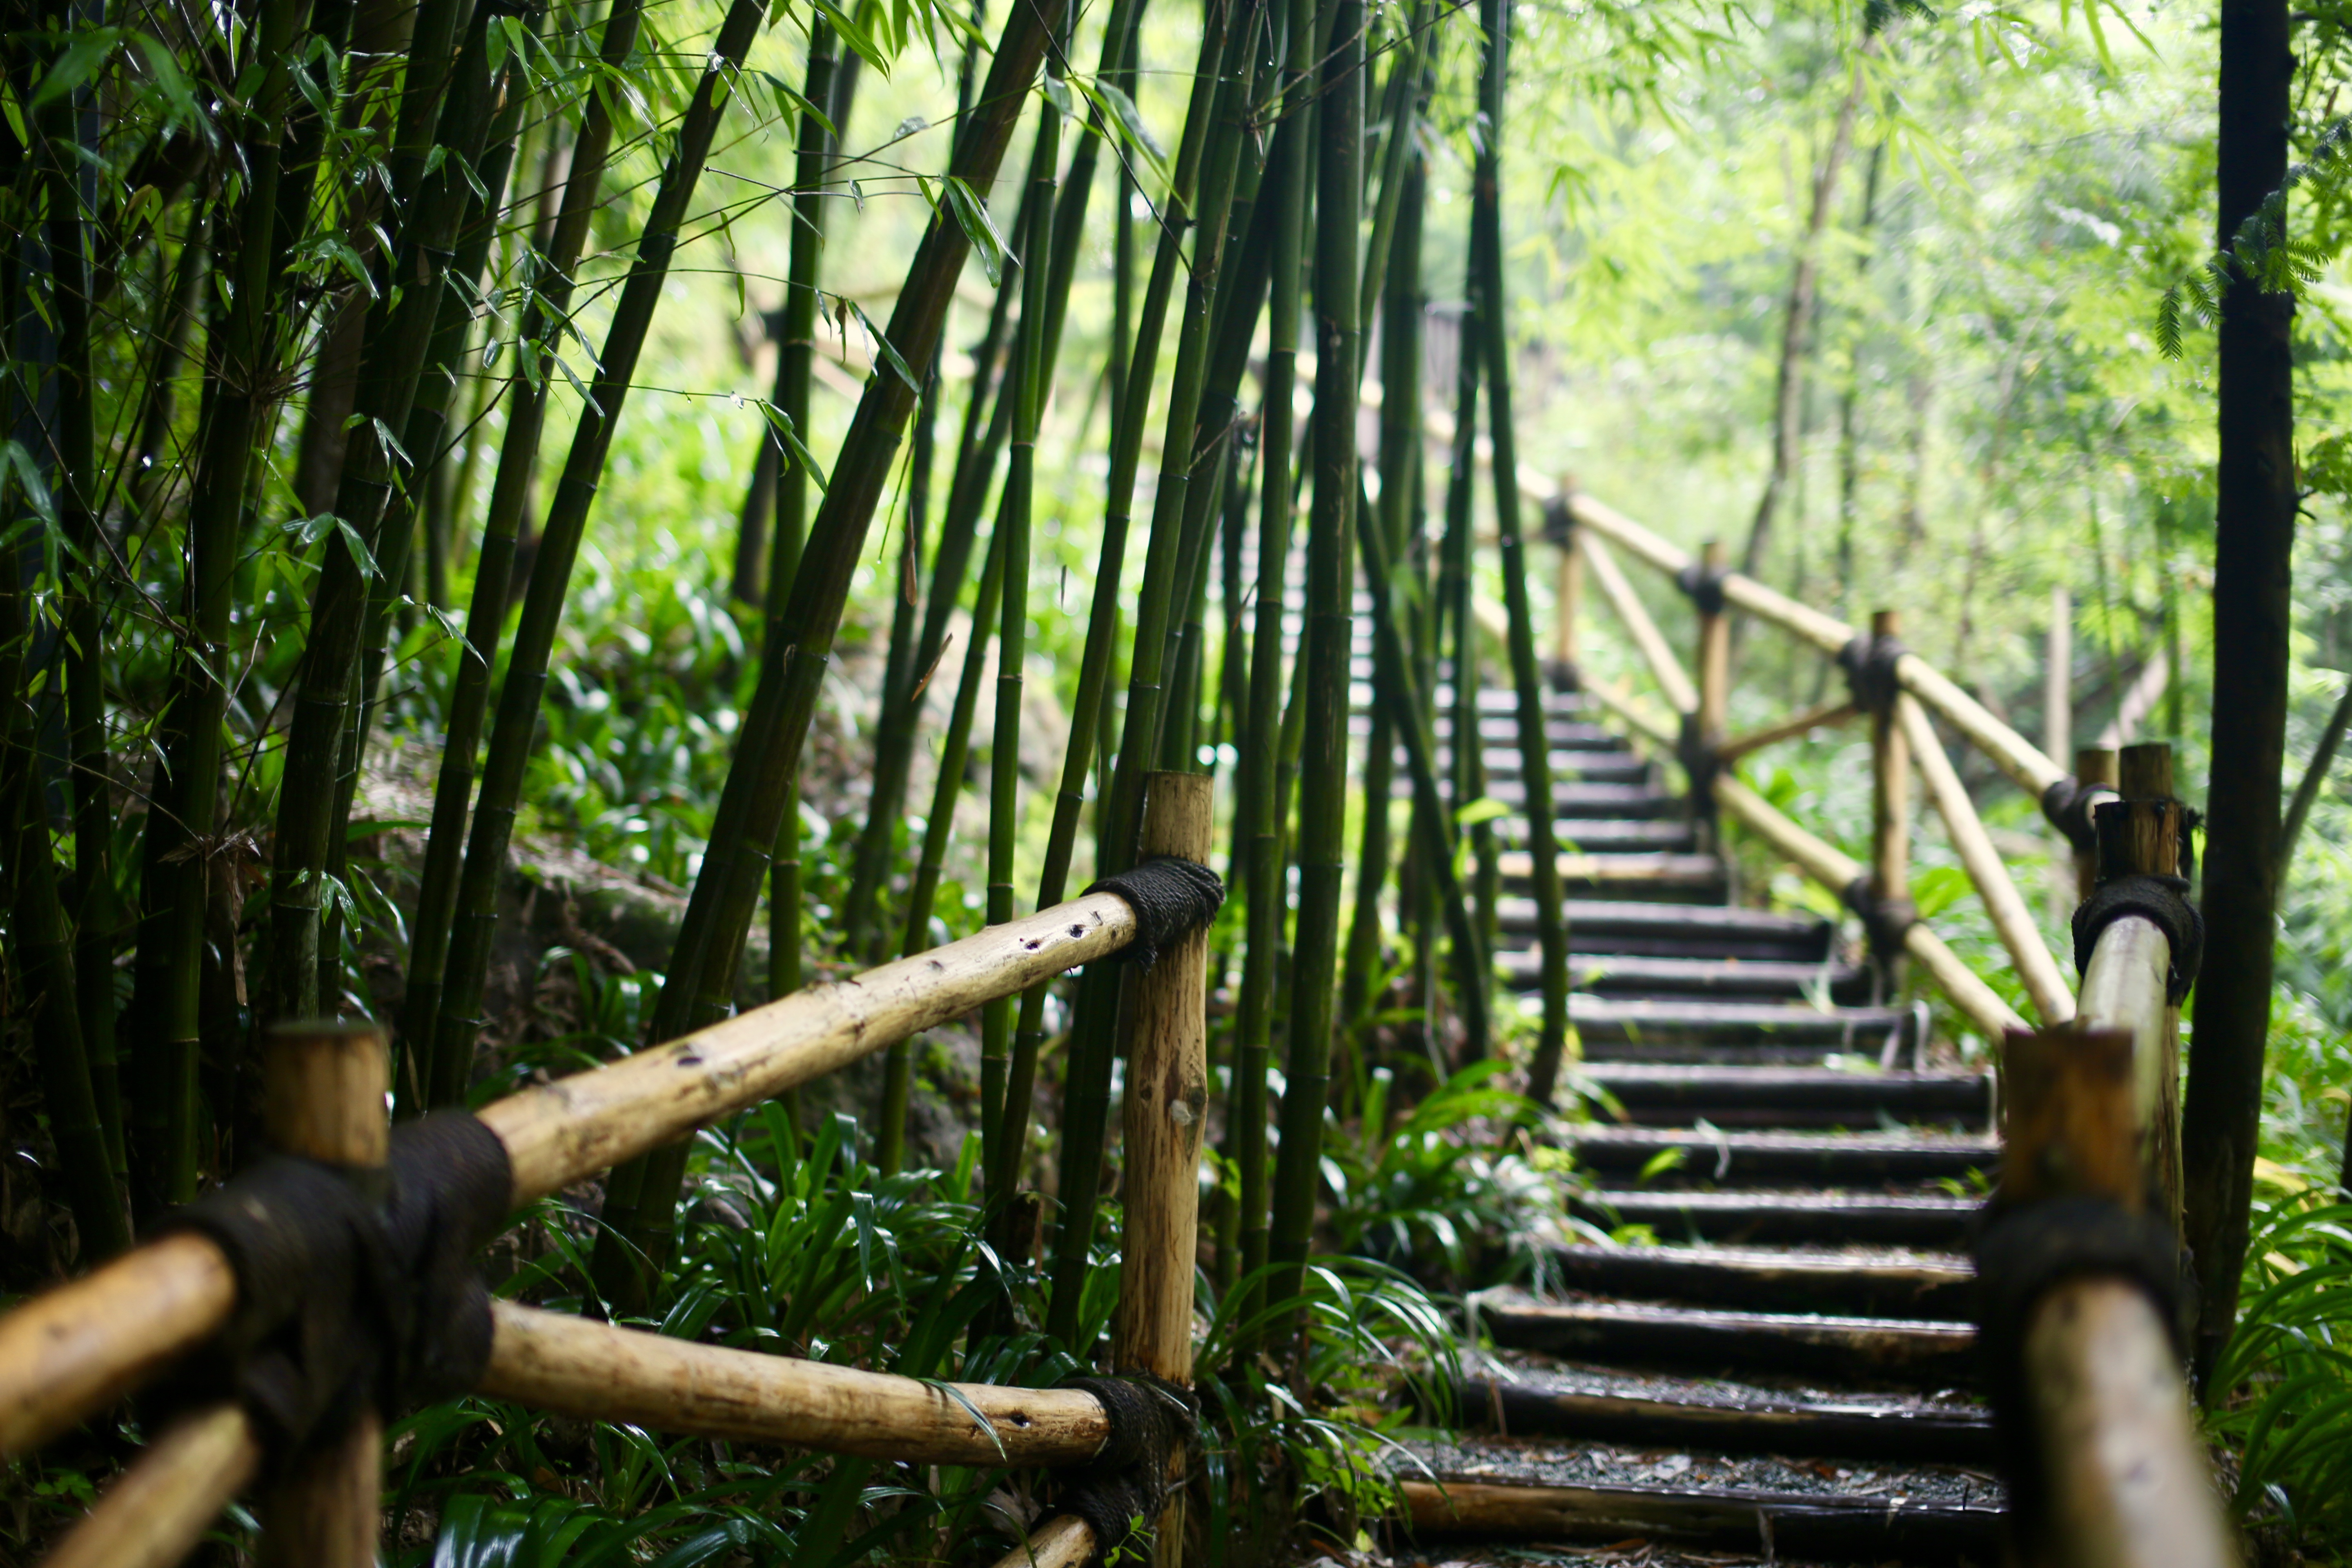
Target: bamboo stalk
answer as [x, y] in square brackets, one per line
[1890, 818]
[324, 1100]
[1663, 666]
[768, 749]
[432, 1076]
[1837, 871]
[1457, 597]
[160, 1506]
[571, 1365]
[2052, 998]
[938, 826]
[1012, 526]
[1822, 716]
[1205, 164]
[559, 547]
[1323, 761]
[1527, 674]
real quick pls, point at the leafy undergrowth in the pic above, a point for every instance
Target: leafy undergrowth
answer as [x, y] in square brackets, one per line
[2285, 1404]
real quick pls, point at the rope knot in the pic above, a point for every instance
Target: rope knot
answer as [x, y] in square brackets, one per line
[1869, 664]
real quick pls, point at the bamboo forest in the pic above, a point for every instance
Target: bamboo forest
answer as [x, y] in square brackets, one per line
[1356, 783]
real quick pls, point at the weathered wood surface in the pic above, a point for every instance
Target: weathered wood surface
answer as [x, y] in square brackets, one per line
[575, 1367]
[1880, 1282]
[1896, 1349]
[156, 1512]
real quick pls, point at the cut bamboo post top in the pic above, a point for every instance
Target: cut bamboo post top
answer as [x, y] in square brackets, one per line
[562, 1131]
[575, 1367]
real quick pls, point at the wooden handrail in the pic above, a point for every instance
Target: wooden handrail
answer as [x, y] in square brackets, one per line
[2011, 920]
[1663, 666]
[75, 1349]
[1836, 870]
[1786, 729]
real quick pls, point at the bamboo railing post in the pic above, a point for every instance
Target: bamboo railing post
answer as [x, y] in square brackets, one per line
[2058, 708]
[1166, 1111]
[2094, 765]
[154, 1515]
[323, 1099]
[1890, 821]
[2141, 833]
[1704, 727]
[1567, 587]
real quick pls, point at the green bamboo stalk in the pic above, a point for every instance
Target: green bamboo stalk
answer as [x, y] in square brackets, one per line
[391, 363]
[1013, 522]
[1323, 776]
[796, 365]
[768, 747]
[1455, 593]
[1258, 817]
[433, 1078]
[424, 438]
[1088, 708]
[939, 828]
[1212, 135]
[1526, 673]
[560, 537]
[176, 855]
[98, 918]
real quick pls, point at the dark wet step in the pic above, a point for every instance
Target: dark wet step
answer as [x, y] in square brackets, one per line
[1571, 740]
[1914, 1351]
[1619, 836]
[1611, 1406]
[1678, 930]
[1628, 974]
[1663, 1094]
[1576, 798]
[1853, 1219]
[1655, 878]
[1547, 1491]
[1750, 1158]
[1874, 1282]
[1861, 1030]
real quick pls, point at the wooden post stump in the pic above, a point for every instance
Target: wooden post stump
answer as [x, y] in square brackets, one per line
[1890, 816]
[324, 1088]
[1165, 1111]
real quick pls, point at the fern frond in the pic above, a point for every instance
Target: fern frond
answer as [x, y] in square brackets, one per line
[2168, 324]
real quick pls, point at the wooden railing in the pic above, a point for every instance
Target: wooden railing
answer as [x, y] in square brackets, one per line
[2079, 1261]
[71, 1353]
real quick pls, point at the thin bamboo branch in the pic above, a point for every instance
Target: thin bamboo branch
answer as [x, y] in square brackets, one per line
[1824, 716]
[2052, 998]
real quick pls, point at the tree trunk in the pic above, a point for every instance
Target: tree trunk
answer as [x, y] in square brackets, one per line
[2252, 612]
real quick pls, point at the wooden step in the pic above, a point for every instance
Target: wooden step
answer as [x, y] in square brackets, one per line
[1658, 877]
[1750, 1158]
[1778, 1526]
[1613, 836]
[1853, 1219]
[1879, 1282]
[1675, 1095]
[1570, 739]
[1911, 1351]
[1863, 1031]
[1679, 931]
[1577, 798]
[1630, 975]
[1601, 1405]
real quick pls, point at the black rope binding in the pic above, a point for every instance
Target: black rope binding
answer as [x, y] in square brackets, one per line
[1170, 897]
[2164, 901]
[2066, 804]
[1885, 922]
[1704, 587]
[2021, 1254]
[355, 1289]
[1869, 664]
[1559, 521]
[1126, 1484]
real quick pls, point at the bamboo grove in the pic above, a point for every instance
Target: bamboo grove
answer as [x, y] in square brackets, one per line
[275, 260]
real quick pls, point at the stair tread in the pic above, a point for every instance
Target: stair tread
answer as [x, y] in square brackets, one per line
[1622, 1078]
[1649, 1139]
[1541, 1376]
[1791, 1201]
[1623, 971]
[1760, 1016]
[1940, 1331]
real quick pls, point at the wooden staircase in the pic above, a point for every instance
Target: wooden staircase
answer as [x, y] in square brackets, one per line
[1775, 1357]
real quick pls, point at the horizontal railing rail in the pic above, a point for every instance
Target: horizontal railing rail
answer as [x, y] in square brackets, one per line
[72, 1352]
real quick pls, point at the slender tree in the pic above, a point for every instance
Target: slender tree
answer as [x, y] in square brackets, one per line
[2253, 616]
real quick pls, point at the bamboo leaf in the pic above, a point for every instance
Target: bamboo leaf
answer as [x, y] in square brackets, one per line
[890, 355]
[972, 213]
